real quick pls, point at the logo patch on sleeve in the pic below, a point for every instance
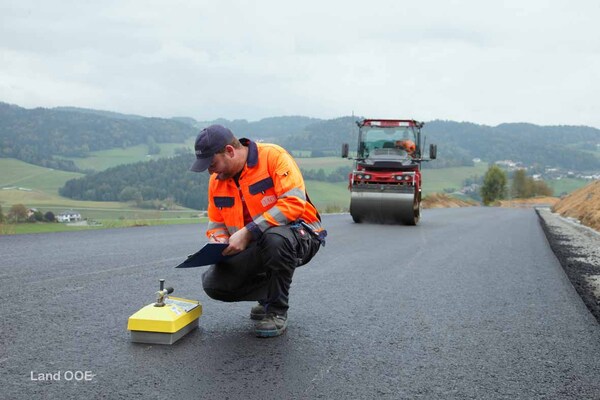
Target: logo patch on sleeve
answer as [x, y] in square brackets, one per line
[268, 200]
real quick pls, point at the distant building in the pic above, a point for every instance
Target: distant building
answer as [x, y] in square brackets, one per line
[31, 212]
[473, 188]
[510, 165]
[68, 216]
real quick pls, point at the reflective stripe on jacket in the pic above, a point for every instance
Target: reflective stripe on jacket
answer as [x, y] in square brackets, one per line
[273, 189]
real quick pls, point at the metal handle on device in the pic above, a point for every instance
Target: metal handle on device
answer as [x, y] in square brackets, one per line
[160, 302]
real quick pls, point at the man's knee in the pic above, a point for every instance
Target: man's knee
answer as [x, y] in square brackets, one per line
[224, 286]
[212, 285]
[218, 294]
[278, 248]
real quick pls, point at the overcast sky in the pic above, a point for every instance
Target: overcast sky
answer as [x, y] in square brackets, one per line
[486, 62]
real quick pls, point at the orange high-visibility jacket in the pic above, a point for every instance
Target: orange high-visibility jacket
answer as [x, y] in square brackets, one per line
[273, 189]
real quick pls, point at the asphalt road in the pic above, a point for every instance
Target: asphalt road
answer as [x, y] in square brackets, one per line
[470, 304]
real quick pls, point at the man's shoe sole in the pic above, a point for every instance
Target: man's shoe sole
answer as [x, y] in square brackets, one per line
[269, 333]
[270, 326]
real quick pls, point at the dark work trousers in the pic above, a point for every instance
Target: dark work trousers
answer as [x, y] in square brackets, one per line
[264, 270]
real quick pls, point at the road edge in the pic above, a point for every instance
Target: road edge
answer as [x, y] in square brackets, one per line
[566, 242]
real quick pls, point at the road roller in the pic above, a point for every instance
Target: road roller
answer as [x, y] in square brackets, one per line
[385, 183]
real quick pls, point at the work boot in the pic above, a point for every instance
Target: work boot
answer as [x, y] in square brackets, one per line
[257, 312]
[271, 325]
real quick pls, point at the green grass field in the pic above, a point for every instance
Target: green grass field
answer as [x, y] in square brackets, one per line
[20, 174]
[101, 160]
[436, 180]
[329, 197]
[45, 227]
[37, 187]
[568, 185]
[328, 164]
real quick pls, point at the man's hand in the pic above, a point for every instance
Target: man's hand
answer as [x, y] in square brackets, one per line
[238, 242]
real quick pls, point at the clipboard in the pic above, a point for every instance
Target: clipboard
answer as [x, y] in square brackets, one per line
[211, 253]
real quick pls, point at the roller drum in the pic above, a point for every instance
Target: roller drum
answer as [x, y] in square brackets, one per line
[385, 206]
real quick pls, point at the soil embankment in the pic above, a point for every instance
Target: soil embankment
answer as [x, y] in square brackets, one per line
[583, 205]
[529, 203]
[441, 200]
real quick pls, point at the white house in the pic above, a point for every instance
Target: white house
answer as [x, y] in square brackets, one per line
[68, 216]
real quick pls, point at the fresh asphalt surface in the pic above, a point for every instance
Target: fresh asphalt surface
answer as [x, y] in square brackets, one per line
[470, 304]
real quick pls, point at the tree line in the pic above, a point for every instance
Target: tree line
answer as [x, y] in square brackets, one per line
[18, 213]
[340, 174]
[495, 186]
[150, 184]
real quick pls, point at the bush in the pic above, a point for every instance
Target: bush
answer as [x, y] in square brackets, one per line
[524, 187]
[37, 216]
[494, 185]
[17, 213]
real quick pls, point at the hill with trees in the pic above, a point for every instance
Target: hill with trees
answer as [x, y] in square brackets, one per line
[273, 129]
[567, 147]
[37, 136]
[325, 137]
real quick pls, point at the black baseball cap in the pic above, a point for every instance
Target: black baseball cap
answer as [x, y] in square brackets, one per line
[210, 141]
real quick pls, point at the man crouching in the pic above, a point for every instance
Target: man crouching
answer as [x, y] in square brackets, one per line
[257, 203]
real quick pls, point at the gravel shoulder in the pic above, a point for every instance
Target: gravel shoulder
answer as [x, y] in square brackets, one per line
[577, 247]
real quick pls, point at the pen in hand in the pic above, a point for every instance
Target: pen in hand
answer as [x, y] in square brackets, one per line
[213, 238]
